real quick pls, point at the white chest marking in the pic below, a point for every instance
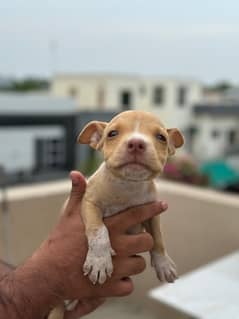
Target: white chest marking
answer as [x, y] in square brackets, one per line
[136, 196]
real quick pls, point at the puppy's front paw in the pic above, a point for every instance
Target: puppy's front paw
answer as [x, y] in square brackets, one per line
[165, 267]
[98, 264]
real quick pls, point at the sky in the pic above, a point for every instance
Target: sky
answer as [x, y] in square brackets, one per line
[183, 38]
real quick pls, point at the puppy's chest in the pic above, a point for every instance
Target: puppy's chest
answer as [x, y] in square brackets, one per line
[127, 196]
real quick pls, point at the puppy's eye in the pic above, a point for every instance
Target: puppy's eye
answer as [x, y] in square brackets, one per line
[113, 133]
[161, 138]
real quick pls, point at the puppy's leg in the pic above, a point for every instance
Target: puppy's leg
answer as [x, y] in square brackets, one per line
[57, 313]
[163, 264]
[98, 264]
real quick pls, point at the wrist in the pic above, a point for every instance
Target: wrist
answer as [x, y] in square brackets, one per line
[28, 292]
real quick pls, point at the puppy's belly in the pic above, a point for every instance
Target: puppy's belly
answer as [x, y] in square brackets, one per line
[116, 207]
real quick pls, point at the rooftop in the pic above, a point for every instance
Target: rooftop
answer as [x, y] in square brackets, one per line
[232, 94]
[209, 292]
[18, 103]
[124, 76]
[218, 109]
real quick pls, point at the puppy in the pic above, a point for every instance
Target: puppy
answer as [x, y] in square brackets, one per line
[135, 146]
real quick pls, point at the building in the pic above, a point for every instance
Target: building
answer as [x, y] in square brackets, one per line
[232, 156]
[38, 136]
[215, 129]
[171, 98]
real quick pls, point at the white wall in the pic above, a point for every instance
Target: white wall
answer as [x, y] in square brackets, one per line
[205, 146]
[86, 90]
[233, 161]
[114, 89]
[17, 145]
[171, 113]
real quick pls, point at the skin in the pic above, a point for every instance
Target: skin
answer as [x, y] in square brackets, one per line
[54, 272]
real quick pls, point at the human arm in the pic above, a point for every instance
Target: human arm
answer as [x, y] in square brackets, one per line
[54, 272]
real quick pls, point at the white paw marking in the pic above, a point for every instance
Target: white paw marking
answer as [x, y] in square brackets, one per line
[71, 304]
[98, 264]
[165, 267]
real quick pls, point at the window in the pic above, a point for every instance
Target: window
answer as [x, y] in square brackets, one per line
[232, 137]
[50, 153]
[125, 100]
[182, 96]
[192, 131]
[215, 133]
[158, 95]
[73, 92]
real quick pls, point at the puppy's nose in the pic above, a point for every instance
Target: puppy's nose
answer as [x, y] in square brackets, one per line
[136, 145]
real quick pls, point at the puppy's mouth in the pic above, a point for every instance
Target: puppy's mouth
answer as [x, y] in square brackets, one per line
[134, 165]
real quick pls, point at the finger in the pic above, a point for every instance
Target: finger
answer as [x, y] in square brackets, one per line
[84, 307]
[136, 215]
[124, 287]
[114, 287]
[133, 244]
[129, 266]
[78, 185]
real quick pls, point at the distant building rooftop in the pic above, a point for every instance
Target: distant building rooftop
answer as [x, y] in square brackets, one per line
[232, 94]
[17, 104]
[217, 109]
[120, 76]
[233, 150]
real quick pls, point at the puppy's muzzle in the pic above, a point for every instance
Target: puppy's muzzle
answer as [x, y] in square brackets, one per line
[136, 145]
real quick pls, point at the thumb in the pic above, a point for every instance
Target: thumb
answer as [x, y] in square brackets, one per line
[78, 185]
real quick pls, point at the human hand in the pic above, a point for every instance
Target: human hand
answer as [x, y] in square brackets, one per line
[71, 251]
[59, 261]
[84, 307]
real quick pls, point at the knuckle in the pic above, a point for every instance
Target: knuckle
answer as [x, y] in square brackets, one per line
[138, 265]
[141, 264]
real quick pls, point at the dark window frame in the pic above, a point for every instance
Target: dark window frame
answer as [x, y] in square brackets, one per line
[126, 97]
[159, 95]
[73, 92]
[50, 153]
[232, 136]
[215, 133]
[182, 94]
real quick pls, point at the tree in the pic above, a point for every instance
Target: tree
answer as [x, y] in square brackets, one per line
[28, 84]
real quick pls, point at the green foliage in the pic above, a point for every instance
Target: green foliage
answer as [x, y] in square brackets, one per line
[219, 87]
[27, 85]
[90, 165]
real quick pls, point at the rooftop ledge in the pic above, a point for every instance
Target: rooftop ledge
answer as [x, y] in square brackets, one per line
[64, 186]
[209, 292]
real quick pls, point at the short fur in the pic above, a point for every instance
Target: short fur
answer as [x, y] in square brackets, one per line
[134, 155]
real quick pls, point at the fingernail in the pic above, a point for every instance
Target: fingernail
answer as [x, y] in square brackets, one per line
[75, 180]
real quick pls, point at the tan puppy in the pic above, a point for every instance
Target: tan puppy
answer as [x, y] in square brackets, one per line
[135, 146]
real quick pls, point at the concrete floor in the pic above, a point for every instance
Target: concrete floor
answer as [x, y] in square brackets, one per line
[122, 309]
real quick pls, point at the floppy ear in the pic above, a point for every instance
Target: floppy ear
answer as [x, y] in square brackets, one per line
[92, 134]
[176, 140]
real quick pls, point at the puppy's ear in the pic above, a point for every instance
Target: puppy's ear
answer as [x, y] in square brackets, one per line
[176, 140]
[92, 134]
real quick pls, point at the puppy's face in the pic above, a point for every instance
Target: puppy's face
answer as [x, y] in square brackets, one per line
[135, 144]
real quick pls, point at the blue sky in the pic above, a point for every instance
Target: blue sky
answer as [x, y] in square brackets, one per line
[182, 38]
